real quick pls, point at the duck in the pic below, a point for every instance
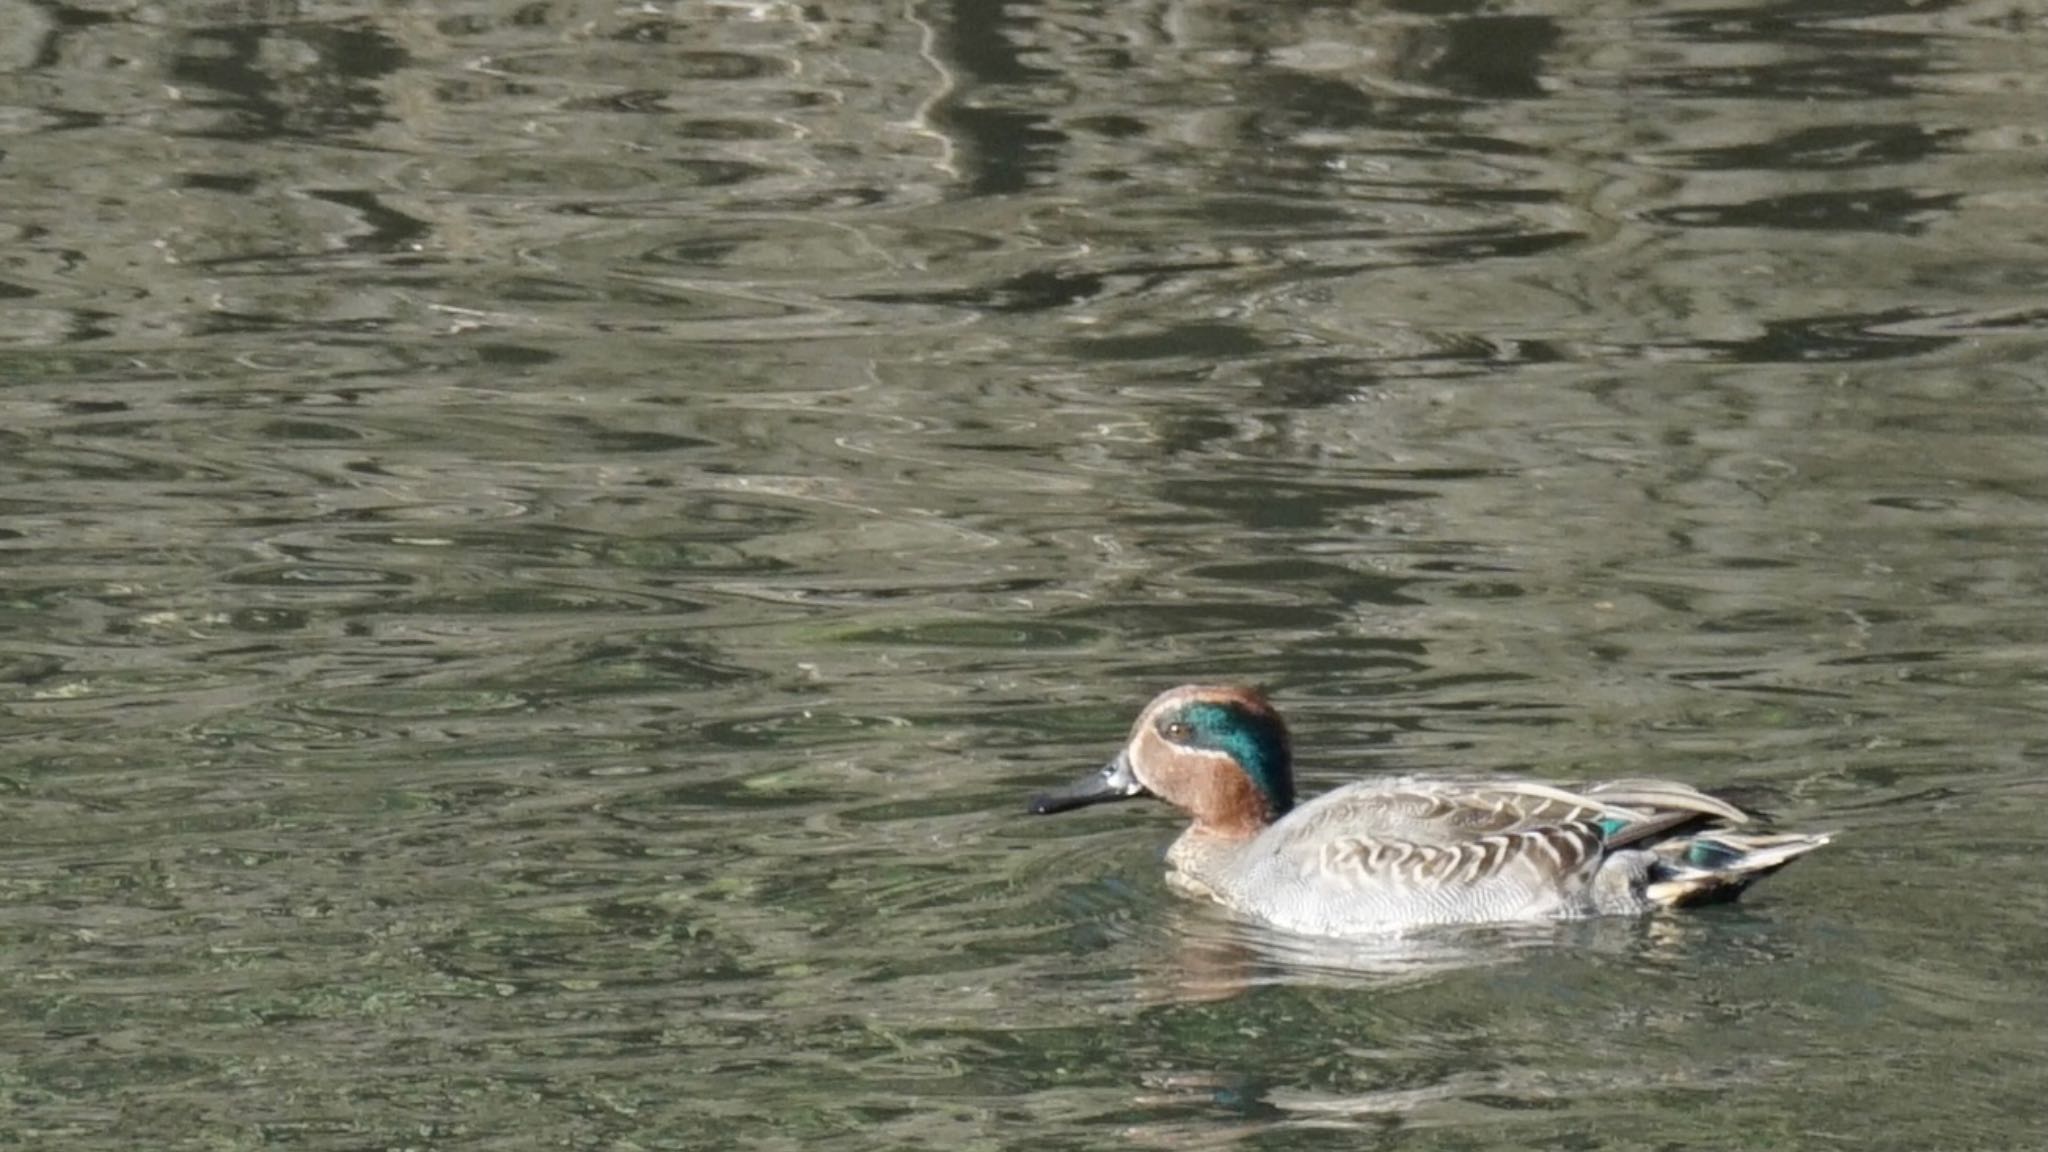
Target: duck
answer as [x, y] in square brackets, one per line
[1386, 855]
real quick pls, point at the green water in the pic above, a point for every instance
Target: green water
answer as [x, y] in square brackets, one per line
[543, 547]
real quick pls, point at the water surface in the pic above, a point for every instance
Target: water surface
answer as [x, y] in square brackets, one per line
[545, 545]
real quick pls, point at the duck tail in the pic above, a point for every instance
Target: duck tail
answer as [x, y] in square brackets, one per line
[1716, 866]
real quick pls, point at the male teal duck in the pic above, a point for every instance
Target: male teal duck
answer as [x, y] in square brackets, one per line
[1379, 856]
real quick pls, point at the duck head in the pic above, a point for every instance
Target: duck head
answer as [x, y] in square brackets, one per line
[1218, 753]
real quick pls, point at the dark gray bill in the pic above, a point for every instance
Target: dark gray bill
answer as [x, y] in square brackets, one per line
[1114, 782]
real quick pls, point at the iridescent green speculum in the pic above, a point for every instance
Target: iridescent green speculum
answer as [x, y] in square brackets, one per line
[1255, 739]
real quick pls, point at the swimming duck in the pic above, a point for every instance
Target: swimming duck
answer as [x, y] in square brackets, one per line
[1379, 856]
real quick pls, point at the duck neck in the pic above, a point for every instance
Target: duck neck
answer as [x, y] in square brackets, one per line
[1201, 860]
[1231, 806]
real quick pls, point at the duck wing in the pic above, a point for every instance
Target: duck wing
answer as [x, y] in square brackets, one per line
[1435, 834]
[1449, 811]
[1540, 856]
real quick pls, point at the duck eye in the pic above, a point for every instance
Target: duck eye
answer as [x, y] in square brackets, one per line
[1176, 730]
